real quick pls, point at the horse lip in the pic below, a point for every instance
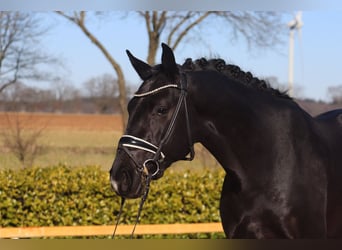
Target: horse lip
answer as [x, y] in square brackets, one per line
[134, 195]
[130, 195]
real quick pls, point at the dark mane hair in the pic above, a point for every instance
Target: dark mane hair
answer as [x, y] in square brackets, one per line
[234, 72]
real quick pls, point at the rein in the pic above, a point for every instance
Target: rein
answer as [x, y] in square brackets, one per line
[129, 141]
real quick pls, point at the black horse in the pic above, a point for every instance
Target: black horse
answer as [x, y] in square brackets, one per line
[284, 167]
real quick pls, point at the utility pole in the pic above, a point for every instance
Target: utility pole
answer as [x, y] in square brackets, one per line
[295, 24]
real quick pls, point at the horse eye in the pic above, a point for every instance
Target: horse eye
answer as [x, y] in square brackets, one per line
[161, 110]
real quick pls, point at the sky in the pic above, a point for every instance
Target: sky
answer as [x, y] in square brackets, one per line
[201, 5]
[317, 55]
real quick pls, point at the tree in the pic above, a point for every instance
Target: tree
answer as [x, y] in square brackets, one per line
[102, 90]
[335, 92]
[261, 29]
[20, 55]
[20, 97]
[79, 18]
[22, 139]
[63, 91]
[101, 86]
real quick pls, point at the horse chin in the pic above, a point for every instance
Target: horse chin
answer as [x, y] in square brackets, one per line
[163, 166]
[158, 175]
[134, 195]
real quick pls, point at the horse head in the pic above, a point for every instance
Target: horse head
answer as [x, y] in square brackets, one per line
[158, 122]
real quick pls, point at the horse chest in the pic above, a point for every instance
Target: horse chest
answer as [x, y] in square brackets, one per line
[267, 219]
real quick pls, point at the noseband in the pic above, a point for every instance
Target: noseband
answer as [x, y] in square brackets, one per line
[150, 167]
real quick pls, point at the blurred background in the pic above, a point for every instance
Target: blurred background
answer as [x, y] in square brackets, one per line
[65, 78]
[65, 81]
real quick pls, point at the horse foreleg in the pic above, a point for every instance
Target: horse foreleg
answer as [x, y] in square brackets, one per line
[231, 211]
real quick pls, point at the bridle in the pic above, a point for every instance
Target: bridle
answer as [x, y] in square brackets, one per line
[151, 167]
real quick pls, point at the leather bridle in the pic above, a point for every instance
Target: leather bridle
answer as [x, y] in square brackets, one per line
[151, 167]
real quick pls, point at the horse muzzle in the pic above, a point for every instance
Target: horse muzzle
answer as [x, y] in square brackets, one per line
[126, 181]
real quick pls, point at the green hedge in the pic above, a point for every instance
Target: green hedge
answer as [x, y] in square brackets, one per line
[66, 196]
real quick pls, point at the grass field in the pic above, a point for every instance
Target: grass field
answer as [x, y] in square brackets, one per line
[75, 140]
[71, 139]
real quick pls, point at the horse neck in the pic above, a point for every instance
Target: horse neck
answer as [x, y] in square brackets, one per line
[226, 117]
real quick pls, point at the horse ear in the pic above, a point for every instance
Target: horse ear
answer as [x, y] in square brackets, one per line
[168, 60]
[143, 69]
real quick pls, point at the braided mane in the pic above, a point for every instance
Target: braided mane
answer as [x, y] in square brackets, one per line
[234, 72]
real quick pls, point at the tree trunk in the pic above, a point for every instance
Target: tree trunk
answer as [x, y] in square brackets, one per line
[79, 20]
[155, 25]
[120, 75]
[152, 49]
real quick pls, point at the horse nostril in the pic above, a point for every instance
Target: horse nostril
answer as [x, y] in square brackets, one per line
[122, 182]
[126, 182]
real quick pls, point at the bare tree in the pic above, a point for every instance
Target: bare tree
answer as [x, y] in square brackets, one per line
[63, 91]
[102, 90]
[21, 139]
[19, 96]
[335, 93]
[102, 86]
[262, 29]
[79, 18]
[20, 54]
